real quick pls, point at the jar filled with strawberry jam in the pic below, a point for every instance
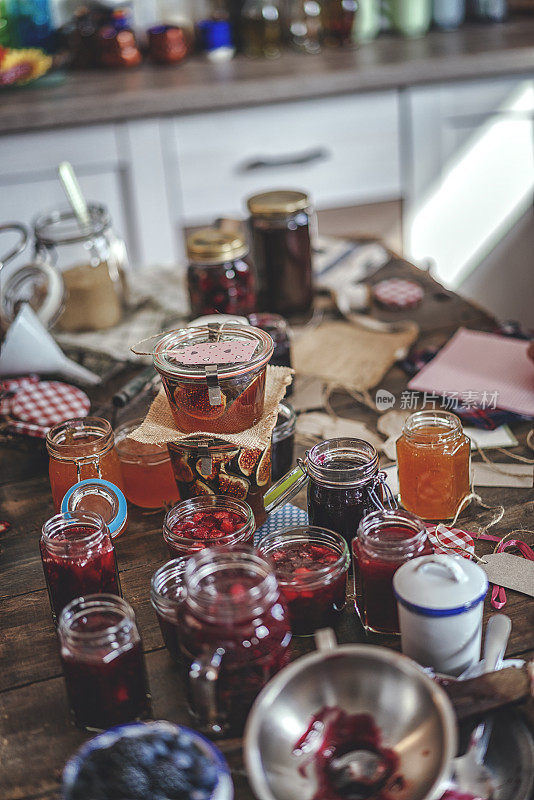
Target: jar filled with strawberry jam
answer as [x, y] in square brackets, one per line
[311, 566]
[79, 449]
[205, 522]
[167, 594]
[386, 539]
[433, 456]
[214, 376]
[78, 558]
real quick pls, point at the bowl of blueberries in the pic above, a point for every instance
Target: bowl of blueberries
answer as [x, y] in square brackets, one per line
[147, 761]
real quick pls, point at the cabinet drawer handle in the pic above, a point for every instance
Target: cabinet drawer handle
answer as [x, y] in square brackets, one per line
[296, 159]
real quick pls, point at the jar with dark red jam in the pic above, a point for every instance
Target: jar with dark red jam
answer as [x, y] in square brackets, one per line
[311, 566]
[215, 467]
[214, 376]
[78, 558]
[281, 224]
[386, 539]
[283, 440]
[277, 327]
[167, 595]
[205, 522]
[219, 277]
[103, 663]
[235, 634]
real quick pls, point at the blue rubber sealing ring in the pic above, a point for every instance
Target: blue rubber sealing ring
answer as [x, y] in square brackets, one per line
[114, 525]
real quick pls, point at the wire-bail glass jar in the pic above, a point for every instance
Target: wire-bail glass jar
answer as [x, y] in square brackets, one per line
[167, 594]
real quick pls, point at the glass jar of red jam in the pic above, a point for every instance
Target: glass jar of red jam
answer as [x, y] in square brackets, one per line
[79, 449]
[434, 459]
[207, 521]
[103, 662]
[167, 595]
[311, 566]
[235, 634]
[78, 558]
[219, 277]
[386, 540]
[283, 440]
[281, 224]
[215, 467]
[146, 470]
[208, 389]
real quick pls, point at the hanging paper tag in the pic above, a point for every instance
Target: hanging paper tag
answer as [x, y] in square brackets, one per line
[512, 572]
[214, 353]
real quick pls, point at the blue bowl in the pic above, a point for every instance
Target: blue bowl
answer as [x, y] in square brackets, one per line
[224, 789]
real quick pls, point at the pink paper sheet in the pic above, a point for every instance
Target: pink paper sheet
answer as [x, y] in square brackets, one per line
[473, 362]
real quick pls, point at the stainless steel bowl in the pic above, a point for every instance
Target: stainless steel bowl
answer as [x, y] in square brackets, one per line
[413, 713]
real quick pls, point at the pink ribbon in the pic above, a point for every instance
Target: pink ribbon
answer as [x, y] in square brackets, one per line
[498, 593]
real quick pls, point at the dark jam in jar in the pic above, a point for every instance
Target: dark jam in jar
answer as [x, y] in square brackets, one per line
[219, 278]
[78, 558]
[103, 662]
[235, 624]
[167, 595]
[283, 440]
[208, 521]
[386, 540]
[311, 566]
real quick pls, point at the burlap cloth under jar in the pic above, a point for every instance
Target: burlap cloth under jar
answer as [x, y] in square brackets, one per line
[159, 426]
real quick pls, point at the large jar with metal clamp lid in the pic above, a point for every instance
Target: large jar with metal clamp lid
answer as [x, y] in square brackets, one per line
[281, 223]
[220, 278]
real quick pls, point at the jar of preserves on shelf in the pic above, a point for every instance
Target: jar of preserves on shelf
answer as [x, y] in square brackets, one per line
[281, 226]
[434, 457]
[220, 278]
[261, 28]
[81, 448]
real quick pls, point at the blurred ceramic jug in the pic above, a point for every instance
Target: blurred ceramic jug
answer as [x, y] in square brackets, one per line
[449, 14]
[411, 18]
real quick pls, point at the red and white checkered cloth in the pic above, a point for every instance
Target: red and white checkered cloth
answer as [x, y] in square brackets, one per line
[396, 293]
[454, 541]
[34, 406]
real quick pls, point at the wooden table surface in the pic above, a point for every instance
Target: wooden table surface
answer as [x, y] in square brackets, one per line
[36, 735]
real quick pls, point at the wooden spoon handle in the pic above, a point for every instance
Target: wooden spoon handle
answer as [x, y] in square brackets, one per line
[488, 692]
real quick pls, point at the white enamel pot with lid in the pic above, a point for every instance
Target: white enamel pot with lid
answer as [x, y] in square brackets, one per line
[440, 601]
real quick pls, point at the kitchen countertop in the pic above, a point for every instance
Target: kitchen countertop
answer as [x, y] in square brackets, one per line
[474, 51]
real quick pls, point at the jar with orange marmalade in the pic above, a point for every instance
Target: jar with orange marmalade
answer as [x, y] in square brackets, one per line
[81, 448]
[433, 456]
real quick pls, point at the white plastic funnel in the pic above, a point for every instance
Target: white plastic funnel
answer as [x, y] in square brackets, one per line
[28, 347]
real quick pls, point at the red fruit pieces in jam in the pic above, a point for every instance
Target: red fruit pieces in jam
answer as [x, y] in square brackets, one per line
[301, 558]
[208, 525]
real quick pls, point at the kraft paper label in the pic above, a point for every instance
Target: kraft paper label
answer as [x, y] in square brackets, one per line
[512, 572]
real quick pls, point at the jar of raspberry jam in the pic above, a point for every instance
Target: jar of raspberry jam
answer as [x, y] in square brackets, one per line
[214, 376]
[78, 558]
[386, 540]
[434, 458]
[235, 634]
[207, 521]
[311, 566]
[167, 595]
[219, 277]
[103, 663]
[79, 449]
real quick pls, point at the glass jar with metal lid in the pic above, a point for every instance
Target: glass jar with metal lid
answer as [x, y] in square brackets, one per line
[220, 278]
[214, 376]
[281, 224]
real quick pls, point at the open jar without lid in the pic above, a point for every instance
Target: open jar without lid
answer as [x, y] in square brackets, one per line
[81, 448]
[219, 277]
[434, 457]
[146, 469]
[214, 376]
[206, 522]
[167, 594]
[311, 566]
[103, 663]
[386, 539]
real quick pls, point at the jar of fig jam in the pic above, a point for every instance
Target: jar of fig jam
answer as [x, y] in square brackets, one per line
[219, 277]
[103, 663]
[78, 558]
[214, 376]
[235, 634]
[311, 566]
[205, 522]
[281, 224]
[167, 595]
[434, 458]
[79, 449]
[215, 467]
[386, 539]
